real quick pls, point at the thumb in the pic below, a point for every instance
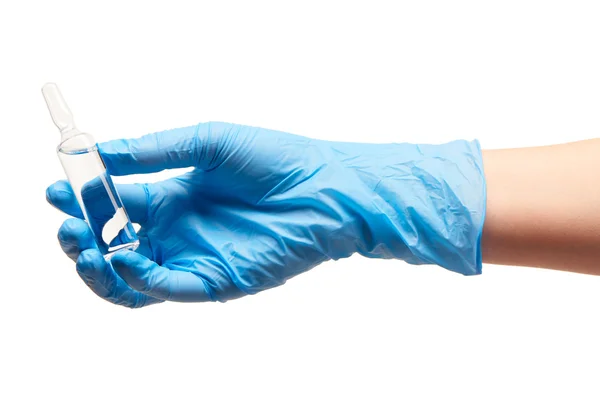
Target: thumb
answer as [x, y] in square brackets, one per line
[146, 276]
[175, 148]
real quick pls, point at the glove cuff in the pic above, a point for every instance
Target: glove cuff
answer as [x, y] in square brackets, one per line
[429, 205]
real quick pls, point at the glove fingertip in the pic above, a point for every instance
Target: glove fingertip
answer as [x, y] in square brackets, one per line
[58, 193]
[124, 259]
[71, 229]
[89, 260]
[135, 270]
[50, 194]
[117, 157]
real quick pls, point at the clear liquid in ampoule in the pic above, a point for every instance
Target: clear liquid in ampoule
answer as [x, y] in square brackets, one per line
[99, 200]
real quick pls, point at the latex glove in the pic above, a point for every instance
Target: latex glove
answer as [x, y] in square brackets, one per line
[262, 206]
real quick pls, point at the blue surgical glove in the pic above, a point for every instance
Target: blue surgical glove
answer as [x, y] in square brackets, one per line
[261, 206]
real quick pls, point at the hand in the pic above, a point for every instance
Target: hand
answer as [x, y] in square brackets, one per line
[262, 206]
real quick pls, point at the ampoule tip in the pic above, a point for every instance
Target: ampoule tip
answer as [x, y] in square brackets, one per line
[59, 111]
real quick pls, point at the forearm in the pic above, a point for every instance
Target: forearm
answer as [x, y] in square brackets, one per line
[543, 207]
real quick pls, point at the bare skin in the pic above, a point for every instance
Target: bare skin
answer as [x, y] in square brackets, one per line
[543, 207]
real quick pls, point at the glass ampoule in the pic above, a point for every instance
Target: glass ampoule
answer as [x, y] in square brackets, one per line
[92, 185]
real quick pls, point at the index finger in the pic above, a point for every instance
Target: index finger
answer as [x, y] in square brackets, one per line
[192, 146]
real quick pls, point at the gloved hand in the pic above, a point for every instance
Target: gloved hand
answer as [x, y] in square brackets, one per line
[262, 206]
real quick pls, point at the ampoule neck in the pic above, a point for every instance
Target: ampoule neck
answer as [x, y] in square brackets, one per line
[75, 142]
[68, 133]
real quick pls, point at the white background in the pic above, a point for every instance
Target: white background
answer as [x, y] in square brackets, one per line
[510, 73]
